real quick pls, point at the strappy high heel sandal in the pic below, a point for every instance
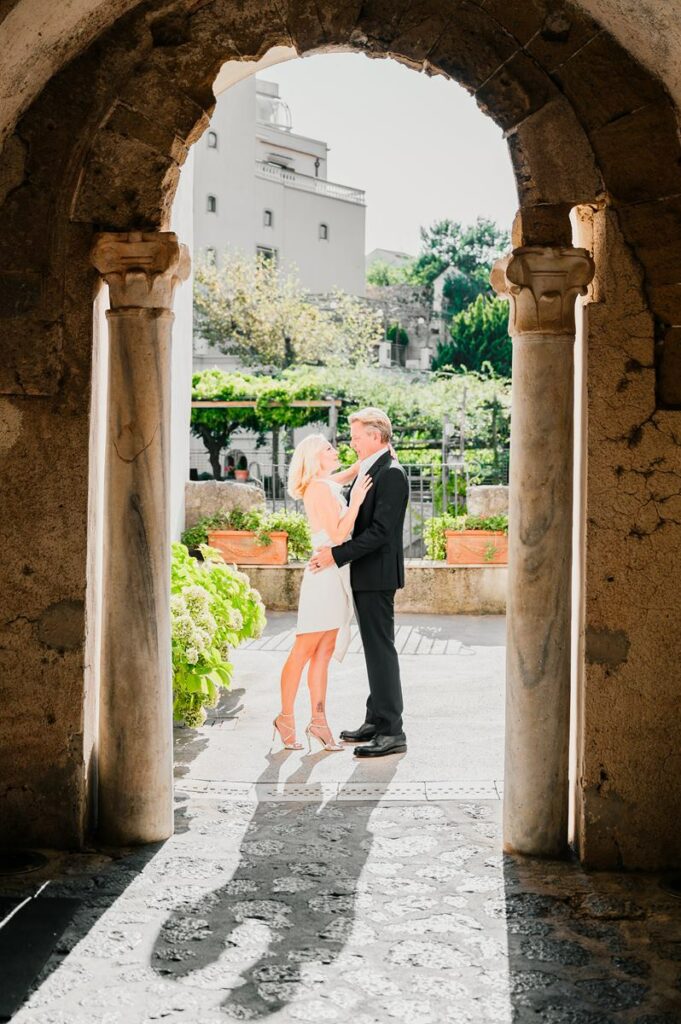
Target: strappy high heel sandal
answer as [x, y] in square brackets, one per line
[289, 731]
[325, 744]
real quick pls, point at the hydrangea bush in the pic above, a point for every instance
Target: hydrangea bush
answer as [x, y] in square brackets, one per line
[213, 608]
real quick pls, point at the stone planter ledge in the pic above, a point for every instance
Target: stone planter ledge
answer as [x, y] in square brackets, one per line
[432, 588]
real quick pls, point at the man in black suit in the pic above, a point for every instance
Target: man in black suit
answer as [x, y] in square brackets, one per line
[376, 555]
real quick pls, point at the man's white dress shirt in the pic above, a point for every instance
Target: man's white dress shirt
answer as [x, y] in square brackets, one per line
[366, 464]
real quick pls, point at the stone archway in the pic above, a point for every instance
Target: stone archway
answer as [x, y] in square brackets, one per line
[100, 150]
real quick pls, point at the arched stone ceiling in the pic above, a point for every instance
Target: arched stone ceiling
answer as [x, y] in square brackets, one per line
[102, 145]
[37, 37]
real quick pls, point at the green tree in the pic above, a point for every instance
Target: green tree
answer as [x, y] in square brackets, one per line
[216, 426]
[383, 274]
[466, 254]
[479, 336]
[470, 250]
[250, 309]
[273, 408]
[397, 334]
[417, 402]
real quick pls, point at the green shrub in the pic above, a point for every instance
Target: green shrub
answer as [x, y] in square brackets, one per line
[436, 542]
[259, 522]
[213, 608]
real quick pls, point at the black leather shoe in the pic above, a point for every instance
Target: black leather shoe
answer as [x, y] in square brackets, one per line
[381, 746]
[366, 731]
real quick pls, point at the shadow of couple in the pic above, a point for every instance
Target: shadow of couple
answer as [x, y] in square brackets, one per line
[289, 908]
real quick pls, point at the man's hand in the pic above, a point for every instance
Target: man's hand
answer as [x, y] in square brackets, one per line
[321, 559]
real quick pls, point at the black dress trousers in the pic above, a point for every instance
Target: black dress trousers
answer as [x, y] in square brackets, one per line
[376, 618]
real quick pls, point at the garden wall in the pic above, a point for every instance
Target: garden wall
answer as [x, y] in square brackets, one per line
[206, 497]
[432, 588]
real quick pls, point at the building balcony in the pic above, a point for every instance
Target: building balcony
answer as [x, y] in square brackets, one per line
[307, 183]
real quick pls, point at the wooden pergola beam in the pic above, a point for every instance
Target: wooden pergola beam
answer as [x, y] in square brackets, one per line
[322, 403]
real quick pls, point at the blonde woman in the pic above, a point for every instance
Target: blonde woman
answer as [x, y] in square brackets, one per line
[325, 606]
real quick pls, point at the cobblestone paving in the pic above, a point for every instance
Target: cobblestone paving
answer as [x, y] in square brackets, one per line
[353, 912]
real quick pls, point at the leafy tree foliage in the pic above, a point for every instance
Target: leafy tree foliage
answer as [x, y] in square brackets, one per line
[397, 334]
[250, 309]
[469, 250]
[416, 404]
[382, 274]
[479, 336]
[216, 426]
[273, 409]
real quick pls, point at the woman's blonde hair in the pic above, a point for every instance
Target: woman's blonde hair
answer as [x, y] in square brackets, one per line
[305, 464]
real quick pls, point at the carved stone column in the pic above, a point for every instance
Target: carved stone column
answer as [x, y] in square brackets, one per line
[135, 723]
[542, 284]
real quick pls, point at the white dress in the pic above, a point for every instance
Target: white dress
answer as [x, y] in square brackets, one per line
[326, 596]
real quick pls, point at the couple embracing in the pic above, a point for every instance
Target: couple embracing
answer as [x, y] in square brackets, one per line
[358, 561]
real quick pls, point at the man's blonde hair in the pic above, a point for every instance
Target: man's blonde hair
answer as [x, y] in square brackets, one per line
[374, 419]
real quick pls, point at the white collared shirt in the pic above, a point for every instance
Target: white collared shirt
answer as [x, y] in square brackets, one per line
[366, 464]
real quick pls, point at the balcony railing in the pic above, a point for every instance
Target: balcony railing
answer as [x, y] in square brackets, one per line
[307, 183]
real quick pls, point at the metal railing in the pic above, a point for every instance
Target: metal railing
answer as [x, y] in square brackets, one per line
[427, 485]
[308, 183]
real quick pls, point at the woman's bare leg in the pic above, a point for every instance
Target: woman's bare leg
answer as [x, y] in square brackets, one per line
[303, 649]
[317, 681]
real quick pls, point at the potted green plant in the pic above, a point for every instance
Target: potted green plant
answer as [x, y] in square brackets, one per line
[241, 471]
[468, 540]
[253, 537]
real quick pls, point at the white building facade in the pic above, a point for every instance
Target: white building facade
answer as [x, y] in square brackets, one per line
[259, 187]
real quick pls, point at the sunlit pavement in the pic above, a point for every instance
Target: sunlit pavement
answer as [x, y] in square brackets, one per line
[303, 887]
[453, 682]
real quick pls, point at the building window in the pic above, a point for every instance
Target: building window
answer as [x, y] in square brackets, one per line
[268, 218]
[324, 232]
[266, 253]
[212, 140]
[212, 204]
[211, 256]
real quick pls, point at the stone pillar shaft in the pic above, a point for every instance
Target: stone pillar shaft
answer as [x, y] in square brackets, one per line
[135, 724]
[542, 285]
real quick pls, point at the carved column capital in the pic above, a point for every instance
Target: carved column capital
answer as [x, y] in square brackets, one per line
[141, 268]
[542, 284]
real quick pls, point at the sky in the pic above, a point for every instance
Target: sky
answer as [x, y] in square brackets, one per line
[418, 146]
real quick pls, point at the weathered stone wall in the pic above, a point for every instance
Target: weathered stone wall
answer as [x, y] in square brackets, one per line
[487, 500]
[409, 306]
[44, 453]
[630, 757]
[206, 497]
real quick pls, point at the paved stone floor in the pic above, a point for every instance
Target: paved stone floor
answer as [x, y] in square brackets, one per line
[454, 718]
[270, 906]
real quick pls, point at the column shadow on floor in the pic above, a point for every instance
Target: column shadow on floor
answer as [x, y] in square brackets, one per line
[588, 947]
[61, 904]
[289, 905]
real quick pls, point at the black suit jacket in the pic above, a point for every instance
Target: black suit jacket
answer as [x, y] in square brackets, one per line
[375, 551]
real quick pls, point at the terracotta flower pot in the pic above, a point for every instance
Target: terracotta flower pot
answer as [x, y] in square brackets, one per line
[241, 474]
[241, 547]
[476, 547]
